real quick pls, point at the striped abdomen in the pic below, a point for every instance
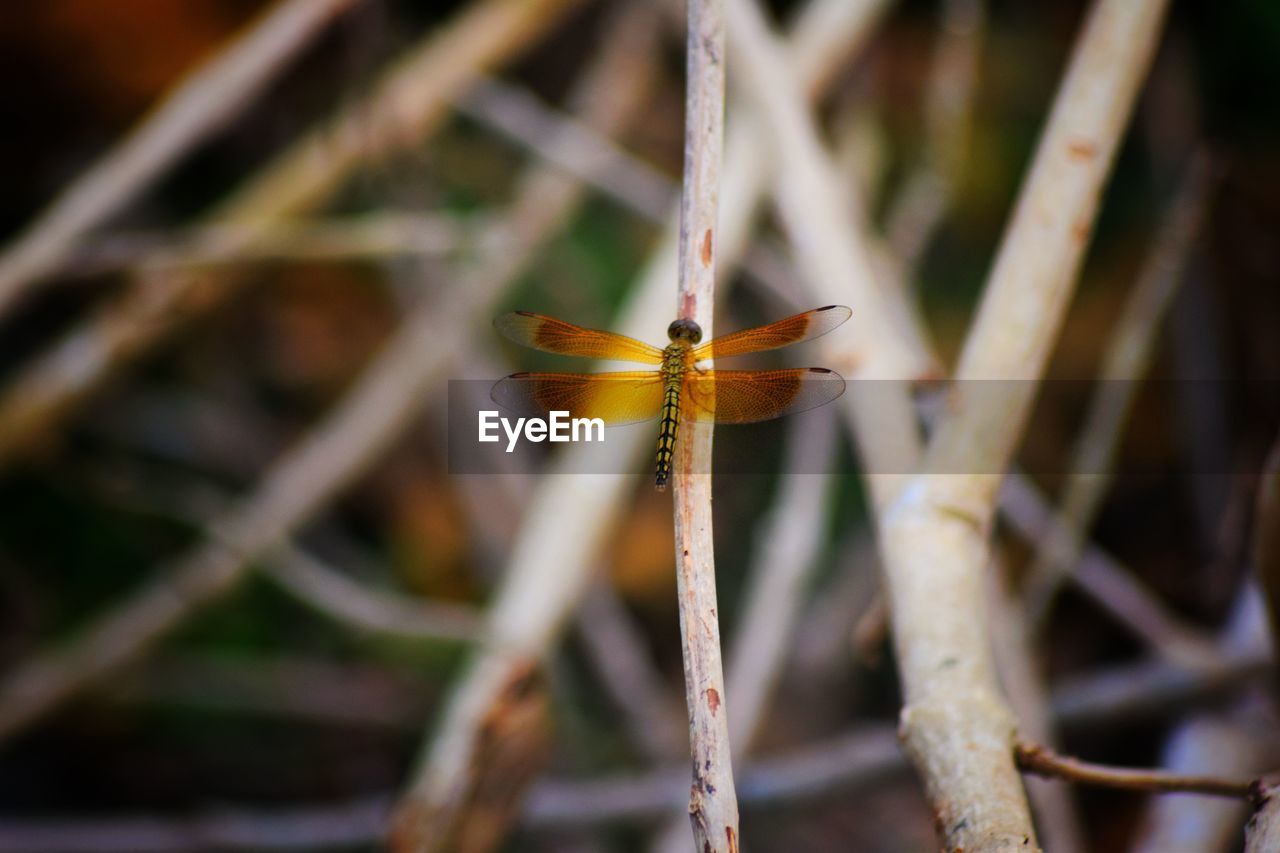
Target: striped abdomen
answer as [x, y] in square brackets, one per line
[667, 431]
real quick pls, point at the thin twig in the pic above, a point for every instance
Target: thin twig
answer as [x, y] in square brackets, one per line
[1140, 691]
[372, 235]
[586, 154]
[1124, 364]
[386, 613]
[204, 100]
[1201, 744]
[713, 805]
[1033, 758]
[784, 557]
[405, 106]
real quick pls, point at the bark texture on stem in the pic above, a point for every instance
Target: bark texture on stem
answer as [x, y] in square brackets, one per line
[1263, 831]
[713, 805]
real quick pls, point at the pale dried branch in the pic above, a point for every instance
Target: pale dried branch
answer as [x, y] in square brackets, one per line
[1151, 688]
[956, 728]
[586, 154]
[199, 104]
[373, 611]
[713, 805]
[374, 235]
[381, 403]
[1124, 364]
[405, 106]
[831, 255]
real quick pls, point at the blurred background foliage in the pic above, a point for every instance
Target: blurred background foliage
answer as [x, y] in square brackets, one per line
[101, 503]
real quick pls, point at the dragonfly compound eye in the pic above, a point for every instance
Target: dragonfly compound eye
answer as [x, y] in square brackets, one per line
[684, 330]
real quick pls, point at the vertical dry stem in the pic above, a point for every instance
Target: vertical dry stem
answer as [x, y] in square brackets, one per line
[713, 805]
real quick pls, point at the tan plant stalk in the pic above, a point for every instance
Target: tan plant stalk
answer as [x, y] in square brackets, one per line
[955, 726]
[204, 100]
[713, 805]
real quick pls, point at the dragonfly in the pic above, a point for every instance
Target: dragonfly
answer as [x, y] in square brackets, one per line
[676, 388]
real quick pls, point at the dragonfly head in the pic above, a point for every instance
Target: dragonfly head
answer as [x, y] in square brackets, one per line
[684, 330]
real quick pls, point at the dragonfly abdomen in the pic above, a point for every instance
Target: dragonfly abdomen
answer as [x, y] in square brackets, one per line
[673, 368]
[667, 432]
